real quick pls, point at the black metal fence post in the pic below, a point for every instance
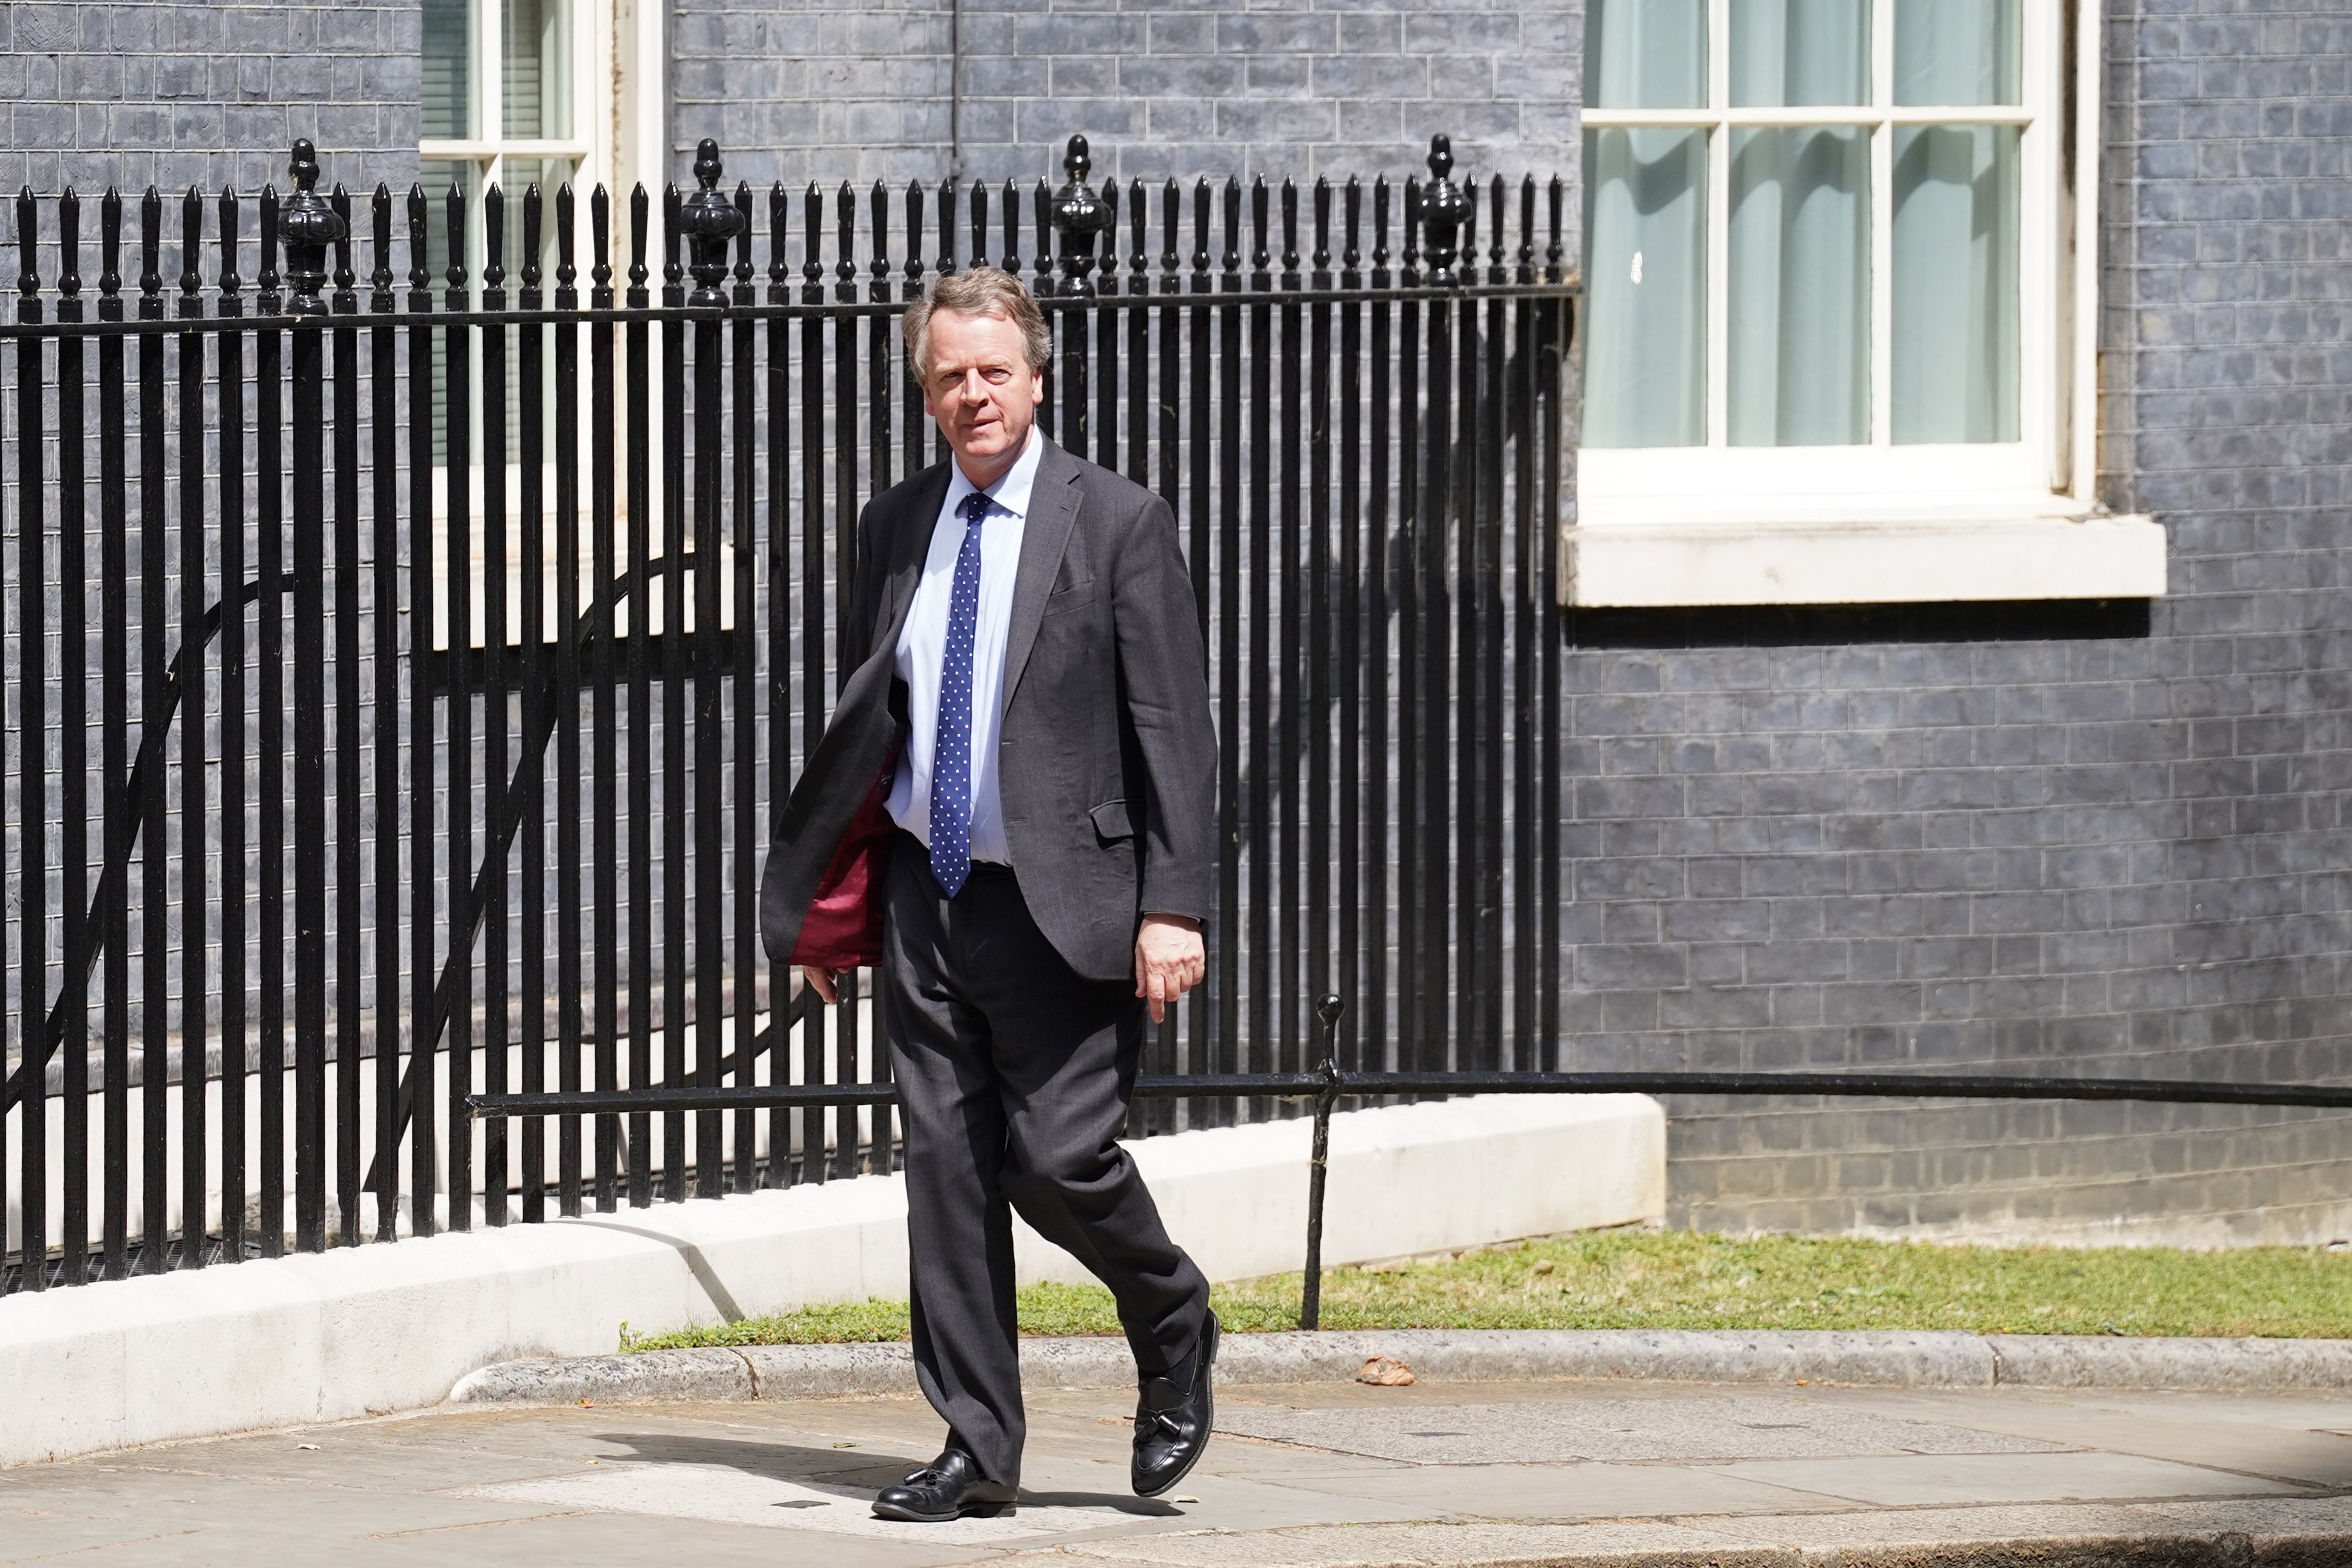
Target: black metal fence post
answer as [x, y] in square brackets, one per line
[269, 815]
[745, 734]
[307, 224]
[534, 716]
[155, 671]
[490, 901]
[604, 676]
[571, 969]
[419, 1089]
[1318, 1159]
[114, 740]
[188, 629]
[1444, 207]
[348, 836]
[70, 1026]
[1079, 219]
[384, 720]
[29, 1086]
[710, 222]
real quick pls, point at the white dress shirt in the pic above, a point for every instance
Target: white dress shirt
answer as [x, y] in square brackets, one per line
[922, 649]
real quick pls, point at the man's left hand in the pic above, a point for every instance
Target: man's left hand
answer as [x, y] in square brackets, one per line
[1169, 960]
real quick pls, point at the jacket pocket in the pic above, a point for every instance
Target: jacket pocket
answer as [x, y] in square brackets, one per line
[1112, 822]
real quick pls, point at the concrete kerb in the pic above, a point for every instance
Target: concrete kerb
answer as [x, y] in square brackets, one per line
[1885, 1360]
[2274, 1534]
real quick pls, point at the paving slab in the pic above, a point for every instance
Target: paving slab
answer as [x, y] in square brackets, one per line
[1650, 1544]
[1310, 1474]
[1700, 1427]
[2317, 1458]
[1925, 1480]
[1551, 1493]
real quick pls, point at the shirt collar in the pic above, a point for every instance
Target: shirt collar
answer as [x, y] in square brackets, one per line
[1009, 494]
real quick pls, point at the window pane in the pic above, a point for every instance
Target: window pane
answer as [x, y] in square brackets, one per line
[1645, 288]
[1799, 314]
[1957, 51]
[448, 111]
[1646, 54]
[1956, 261]
[537, 75]
[1786, 53]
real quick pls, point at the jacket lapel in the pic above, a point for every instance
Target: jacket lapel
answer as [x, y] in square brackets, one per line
[1053, 512]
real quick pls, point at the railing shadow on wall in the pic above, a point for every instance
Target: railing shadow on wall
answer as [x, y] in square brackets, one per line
[404, 679]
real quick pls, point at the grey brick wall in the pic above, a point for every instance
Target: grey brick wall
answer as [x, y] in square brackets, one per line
[798, 90]
[2093, 855]
[129, 94]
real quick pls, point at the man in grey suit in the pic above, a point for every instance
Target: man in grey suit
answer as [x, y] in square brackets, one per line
[1035, 667]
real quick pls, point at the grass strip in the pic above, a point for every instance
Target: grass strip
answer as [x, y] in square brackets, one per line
[1621, 1279]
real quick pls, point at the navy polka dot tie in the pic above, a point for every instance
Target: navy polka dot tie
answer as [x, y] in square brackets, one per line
[951, 759]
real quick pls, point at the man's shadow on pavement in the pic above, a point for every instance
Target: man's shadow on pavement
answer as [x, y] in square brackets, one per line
[854, 1474]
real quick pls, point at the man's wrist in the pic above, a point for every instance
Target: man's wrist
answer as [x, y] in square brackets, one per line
[1187, 921]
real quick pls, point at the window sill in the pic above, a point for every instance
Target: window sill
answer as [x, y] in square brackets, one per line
[1647, 555]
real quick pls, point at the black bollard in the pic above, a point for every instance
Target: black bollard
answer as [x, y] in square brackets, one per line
[1310, 1304]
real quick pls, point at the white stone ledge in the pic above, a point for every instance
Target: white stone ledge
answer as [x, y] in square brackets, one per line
[1664, 562]
[1404, 1180]
[376, 1328]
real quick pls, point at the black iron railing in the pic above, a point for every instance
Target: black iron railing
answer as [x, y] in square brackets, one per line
[409, 647]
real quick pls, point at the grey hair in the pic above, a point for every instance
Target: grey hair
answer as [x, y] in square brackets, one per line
[982, 292]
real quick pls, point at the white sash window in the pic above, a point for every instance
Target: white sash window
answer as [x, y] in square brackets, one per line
[510, 95]
[1837, 344]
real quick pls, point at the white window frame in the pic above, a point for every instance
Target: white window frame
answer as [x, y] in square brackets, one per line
[590, 146]
[620, 111]
[1718, 524]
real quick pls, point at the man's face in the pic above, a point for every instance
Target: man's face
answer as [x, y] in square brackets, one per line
[980, 388]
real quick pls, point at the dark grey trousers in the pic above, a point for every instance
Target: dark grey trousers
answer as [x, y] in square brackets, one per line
[1014, 1074]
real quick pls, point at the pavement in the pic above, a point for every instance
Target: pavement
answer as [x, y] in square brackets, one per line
[1593, 1473]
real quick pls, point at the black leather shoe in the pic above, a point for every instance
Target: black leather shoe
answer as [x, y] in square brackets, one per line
[951, 1487]
[1172, 1424]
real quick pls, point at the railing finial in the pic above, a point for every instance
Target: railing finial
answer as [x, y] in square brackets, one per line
[710, 221]
[1441, 157]
[1445, 208]
[1081, 219]
[308, 223]
[1328, 1011]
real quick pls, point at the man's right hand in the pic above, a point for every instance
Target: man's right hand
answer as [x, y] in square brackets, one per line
[821, 981]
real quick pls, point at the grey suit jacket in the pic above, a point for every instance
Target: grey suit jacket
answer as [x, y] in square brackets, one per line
[1106, 760]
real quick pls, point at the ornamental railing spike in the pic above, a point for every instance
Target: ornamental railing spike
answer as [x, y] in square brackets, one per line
[1445, 206]
[710, 221]
[307, 224]
[1080, 219]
